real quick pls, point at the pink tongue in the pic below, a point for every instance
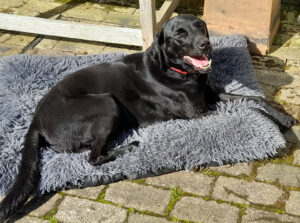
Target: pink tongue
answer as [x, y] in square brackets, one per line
[203, 61]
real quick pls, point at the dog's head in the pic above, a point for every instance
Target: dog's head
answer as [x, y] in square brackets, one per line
[183, 43]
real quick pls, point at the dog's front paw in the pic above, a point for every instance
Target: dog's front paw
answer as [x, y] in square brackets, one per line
[287, 122]
[98, 161]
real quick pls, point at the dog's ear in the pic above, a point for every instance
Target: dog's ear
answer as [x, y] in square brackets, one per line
[207, 34]
[157, 48]
[159, 38]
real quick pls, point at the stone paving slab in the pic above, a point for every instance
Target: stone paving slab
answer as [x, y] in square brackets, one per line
[139, 196]
[191, 182]
[297, 157]
[12, 4]
[6, 50]
[290, 29]
[19, 40]
[85, 11]
[46, 207]
[279, 72]
[289, 14]
[290, 95]
[76, 210]
[273, 78]
[293, 203]
[268, 63]
[4, 37]
[89, 192]
[239, 169]
[41, 6]
[242, 191]
[28, 219]
[259, 216]
[47, 43]
[282, 39]
[79, 47]
[123, 19]
[200, 210]
[269, 91]
[279, 173]
[295, 41]
[292, 66]
[286, 53]
[140, 218]
[109, 48]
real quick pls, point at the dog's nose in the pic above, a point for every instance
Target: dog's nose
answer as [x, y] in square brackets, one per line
[204, 44]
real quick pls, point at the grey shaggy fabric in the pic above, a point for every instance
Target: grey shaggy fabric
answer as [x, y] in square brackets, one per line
[235, 133]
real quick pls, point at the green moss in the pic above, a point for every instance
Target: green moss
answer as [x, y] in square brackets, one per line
[210, 173]
[241, 213]
[139, 181]
[62, 193]
[287, 159]
[101, 196]
[53, 220]
[49, 215]
[207, 198]
[176, 194]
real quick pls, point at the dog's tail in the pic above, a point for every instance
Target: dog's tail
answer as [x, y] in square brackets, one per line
[26, 180]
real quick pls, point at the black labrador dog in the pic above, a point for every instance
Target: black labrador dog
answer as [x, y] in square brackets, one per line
[93, 105]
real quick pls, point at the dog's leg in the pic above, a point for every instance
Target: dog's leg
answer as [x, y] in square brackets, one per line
[104, 125]
[117, 152]
[284, 121]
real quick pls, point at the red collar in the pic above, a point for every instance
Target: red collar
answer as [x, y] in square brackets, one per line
[178, 70]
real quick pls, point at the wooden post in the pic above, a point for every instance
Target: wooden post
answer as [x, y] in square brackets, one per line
[165, 12]
[148, 21]
[256, 19]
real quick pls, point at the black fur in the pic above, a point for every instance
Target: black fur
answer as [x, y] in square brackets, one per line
[93, 105]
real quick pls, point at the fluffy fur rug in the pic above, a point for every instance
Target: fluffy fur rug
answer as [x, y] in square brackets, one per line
[234, 134]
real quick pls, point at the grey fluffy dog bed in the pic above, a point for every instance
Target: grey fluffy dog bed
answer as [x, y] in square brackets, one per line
[234, 134]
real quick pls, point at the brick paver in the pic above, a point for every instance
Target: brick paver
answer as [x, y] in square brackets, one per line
[281, 173]
[47, 206]
[76, 210]
[191, 182]
[266, 191]
[90, 192]
[297, 157]
[200, 210]
[239, 169]
[293, 204]
[260, 216]
[140, 218]
[243, 191]
[28, 219]
[138, 196]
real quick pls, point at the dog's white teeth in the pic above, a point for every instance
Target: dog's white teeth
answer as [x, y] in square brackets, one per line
[188, 58]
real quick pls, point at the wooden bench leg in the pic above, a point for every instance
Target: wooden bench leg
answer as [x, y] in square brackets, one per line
[148, 21]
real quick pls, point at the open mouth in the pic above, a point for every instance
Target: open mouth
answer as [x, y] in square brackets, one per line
[200, 63]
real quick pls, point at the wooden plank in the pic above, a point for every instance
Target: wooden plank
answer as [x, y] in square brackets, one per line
[148, 21]
[91, 32]
[166, 11]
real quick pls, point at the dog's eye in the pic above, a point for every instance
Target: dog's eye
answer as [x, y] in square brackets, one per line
[180, 32]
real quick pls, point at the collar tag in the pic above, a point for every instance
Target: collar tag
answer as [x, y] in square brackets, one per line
[178, 70]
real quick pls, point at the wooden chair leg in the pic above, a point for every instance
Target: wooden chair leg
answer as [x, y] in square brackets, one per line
[148, 21]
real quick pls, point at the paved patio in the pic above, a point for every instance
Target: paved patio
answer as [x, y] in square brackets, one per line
[264, 191]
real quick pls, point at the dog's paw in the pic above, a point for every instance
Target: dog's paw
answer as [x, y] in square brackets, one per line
[287, 122]
[98, 161]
